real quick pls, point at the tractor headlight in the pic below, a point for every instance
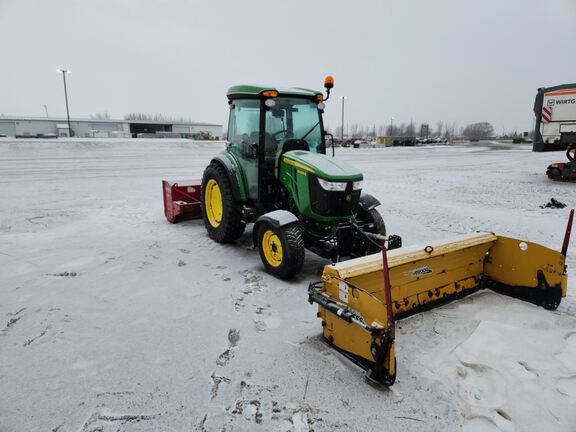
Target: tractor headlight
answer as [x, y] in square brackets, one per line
[332, 186]
[357, 185]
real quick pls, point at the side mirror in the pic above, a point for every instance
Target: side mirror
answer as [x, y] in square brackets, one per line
[329, 142]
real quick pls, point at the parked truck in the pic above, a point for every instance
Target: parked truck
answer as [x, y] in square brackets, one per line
[555, 111]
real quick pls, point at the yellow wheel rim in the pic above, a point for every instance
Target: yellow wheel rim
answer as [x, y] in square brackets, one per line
[272, 248]
[213, 203]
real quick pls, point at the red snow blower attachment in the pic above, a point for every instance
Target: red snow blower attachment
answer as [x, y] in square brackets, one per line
[181, 200]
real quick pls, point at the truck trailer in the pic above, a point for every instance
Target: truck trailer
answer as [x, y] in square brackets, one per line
[555, 111]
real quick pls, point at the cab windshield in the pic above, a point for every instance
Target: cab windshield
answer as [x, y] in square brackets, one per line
[289, 120]
[294, 118]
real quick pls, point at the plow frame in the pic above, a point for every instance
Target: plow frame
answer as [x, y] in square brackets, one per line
[359, 300]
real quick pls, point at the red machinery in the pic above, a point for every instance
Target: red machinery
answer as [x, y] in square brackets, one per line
[564, 171]
[181, 200]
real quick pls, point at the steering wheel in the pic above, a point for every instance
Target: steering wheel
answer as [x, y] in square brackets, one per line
[275, 134]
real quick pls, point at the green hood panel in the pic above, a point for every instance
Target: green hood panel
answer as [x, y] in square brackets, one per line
[326, 167]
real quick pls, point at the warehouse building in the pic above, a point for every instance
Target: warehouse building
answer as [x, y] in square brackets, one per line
[31, 127]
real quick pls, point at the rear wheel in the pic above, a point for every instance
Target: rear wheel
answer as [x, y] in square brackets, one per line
[222, 214]
[571, 153]
[281, 249]
[370, 221]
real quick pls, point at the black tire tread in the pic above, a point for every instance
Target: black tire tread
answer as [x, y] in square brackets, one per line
[375, 217]
[293, 244]
[295, 239]
[232, 226]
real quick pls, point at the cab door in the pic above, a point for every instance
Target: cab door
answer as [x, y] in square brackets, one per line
[243, 140]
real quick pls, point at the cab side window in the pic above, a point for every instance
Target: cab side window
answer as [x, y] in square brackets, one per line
[244, 123]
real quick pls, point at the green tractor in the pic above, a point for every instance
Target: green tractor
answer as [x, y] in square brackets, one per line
[276, 174]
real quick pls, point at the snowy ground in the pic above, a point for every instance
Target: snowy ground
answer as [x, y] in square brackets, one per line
[113, 319]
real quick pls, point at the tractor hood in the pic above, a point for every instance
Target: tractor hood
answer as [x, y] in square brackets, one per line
[323, 166]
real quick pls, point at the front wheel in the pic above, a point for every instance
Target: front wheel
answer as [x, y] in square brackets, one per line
[281, 249]
[374, 221]
[370, 221]
[571, 153]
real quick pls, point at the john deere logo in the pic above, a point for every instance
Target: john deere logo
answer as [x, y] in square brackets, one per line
[348, 197]
[421, 271]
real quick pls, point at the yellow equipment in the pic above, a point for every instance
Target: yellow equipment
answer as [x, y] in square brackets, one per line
[359, 299]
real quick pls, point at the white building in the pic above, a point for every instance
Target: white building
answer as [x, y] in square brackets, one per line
[50, 127]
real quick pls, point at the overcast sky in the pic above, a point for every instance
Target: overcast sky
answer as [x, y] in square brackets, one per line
[451, 60]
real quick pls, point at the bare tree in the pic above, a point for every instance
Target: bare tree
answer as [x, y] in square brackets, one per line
[338, 132]
[439, 128]
[354, 130]
[156, 118]
[410, 130]
[450, 129]
[478, 131]
[100, 116]
[393, 130]
[404, 129]
[374, 132]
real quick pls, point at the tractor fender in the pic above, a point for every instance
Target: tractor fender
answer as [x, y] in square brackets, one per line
[230, 168]
[368, 202]
[276, 218]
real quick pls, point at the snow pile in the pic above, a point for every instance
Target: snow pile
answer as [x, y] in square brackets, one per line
[511, 364]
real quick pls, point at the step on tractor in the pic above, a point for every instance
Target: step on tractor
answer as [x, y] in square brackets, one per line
[276, 174]
[565, 171]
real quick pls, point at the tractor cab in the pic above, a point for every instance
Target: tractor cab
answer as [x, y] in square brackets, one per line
[264, 124]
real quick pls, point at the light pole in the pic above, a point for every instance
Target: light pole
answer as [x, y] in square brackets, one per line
[46, 109]
[391, 127]
[64, 72]
[342, 131]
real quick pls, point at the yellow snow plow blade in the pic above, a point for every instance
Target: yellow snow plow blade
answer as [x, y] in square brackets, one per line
[351, 296]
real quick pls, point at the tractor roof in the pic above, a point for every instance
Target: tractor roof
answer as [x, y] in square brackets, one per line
[255, 90]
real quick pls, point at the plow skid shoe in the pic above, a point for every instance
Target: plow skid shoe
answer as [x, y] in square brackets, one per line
[420, 278]
[182, 200]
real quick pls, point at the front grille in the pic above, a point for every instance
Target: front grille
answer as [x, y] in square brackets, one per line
[332, 203]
